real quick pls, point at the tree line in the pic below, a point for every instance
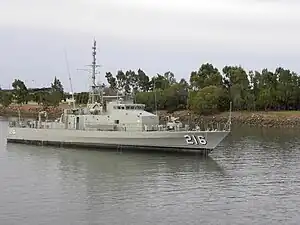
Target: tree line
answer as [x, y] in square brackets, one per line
[208, 90]
[20, 94]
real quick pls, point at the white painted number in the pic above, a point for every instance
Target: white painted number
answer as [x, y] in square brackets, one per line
[195, 140]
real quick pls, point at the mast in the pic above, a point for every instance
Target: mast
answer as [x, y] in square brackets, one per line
[70, 80]
[92, 96]
[154, 90]
[95, 90]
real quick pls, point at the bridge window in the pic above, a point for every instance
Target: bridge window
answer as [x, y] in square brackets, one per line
[130, 107]
[117, 121]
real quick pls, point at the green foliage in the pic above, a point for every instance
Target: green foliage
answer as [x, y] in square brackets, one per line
[57, 92]
[211, 91]
[81, 98]
[21, 95]
[208, 91]
[20, 92]
[207, 100]
[206, 75]
[5, 98]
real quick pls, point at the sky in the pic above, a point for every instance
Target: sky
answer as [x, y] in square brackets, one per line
[40, 39]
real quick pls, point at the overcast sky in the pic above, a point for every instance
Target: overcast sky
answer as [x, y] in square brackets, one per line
[155, 35]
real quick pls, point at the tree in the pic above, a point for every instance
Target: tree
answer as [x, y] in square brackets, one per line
[159, 82]
[207, 75]
[57, 92]
[207, 100]
[5, 98]
[238, 86]
[20, 92]
[111, 80]
[143, 81]
[81, 98]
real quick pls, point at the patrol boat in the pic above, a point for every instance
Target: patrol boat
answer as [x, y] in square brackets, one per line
[115, 122]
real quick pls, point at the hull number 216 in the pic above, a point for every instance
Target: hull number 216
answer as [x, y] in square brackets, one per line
[195, 140]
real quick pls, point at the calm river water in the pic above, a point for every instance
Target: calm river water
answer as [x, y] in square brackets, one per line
[253, 178]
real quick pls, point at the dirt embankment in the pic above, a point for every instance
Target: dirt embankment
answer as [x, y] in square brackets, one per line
[259, 119]
[30, 111]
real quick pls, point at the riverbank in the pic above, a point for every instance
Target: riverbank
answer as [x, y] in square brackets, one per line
[257, 119]
[31, 111]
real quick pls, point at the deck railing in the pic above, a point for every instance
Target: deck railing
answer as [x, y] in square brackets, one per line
[203, 126]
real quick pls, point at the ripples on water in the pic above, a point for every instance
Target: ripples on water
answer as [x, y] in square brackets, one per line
[251, 179]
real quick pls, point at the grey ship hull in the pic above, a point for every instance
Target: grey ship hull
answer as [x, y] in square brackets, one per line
[157, 140]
